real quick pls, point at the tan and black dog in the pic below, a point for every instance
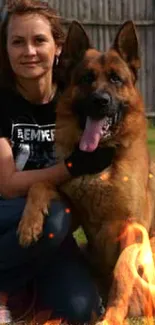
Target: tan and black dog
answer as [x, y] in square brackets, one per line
[101, 106]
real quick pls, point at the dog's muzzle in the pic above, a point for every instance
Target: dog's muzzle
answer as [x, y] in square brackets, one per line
[101, 105]
[102, 113]
[101, 98]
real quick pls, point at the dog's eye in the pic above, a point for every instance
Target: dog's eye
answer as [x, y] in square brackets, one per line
[88, 77]
[115, 79]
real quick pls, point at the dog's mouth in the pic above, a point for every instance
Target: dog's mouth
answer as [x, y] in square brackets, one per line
[99, 116]
[94, 131]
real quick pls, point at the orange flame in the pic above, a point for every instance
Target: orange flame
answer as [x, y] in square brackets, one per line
[133, 288]
[53, 322]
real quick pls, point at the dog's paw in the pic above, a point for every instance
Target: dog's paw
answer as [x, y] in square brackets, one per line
[30, 228]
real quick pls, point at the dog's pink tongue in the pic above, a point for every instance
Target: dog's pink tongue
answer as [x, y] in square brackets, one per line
[91, 135]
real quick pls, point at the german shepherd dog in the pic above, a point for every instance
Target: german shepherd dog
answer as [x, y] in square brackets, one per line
[101, 106]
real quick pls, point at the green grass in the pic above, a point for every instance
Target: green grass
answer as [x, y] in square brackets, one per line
[151, 141]
[141, 321]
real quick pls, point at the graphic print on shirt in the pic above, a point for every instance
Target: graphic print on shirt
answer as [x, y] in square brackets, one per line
[33, 145]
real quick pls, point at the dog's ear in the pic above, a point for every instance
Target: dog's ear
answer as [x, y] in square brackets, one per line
[77, 42]
[126, 44]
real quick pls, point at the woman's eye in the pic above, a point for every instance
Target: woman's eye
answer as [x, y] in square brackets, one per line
[40, 40]
[115, 79]
[17, 42]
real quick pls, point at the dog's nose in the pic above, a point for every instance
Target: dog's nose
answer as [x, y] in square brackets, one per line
[106, 99]
[102, 97]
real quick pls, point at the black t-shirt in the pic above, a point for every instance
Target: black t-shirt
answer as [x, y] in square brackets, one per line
[30, 129]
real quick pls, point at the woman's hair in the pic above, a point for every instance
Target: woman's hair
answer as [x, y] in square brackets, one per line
[21, 7]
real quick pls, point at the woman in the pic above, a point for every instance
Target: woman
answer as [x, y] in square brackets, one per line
[31, 39]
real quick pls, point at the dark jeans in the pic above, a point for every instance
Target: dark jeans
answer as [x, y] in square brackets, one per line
[63, 281]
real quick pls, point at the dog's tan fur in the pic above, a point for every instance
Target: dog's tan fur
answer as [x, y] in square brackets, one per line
[125, 192]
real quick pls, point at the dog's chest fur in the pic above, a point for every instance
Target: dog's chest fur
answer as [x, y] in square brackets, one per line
[98, 196]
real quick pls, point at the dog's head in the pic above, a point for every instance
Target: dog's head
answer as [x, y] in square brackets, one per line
[101, 85]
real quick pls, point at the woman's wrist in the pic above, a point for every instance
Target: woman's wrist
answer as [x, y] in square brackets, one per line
[60, 174]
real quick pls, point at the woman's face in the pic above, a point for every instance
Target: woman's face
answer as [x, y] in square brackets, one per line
[30, 45]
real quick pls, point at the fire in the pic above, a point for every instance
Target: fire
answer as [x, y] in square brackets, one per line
[53, 322]
[133, 289]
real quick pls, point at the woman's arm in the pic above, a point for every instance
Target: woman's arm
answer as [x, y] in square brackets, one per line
[15, 183]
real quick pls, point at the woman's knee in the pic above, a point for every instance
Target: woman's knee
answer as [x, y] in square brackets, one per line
[57, 223]
[75, 309]
[82, 307]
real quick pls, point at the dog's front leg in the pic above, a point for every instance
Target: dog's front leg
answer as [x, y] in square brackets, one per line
[38, 200]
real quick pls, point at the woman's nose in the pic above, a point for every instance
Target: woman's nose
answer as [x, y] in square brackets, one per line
[30, 49]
